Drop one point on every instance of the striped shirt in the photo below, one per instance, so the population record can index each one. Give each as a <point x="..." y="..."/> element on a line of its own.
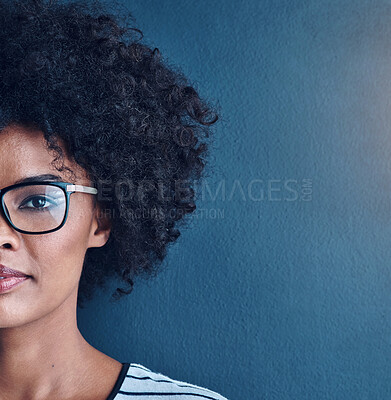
<point x="136" y="382"/>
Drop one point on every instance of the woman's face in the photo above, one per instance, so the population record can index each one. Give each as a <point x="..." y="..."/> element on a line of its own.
<point x="53" y="260"/>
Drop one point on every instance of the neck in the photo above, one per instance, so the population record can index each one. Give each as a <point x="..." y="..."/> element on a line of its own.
<point x="45" y="357"/>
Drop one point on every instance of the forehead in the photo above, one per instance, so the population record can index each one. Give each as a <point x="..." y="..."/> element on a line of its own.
<point x="23" y="152"/>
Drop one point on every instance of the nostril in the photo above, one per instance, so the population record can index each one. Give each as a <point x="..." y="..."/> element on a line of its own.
<point x="6" y="245"/>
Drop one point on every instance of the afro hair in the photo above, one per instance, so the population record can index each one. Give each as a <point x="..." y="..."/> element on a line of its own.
<point x="81" y="73"/>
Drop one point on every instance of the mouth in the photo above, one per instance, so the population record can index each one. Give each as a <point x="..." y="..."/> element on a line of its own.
<point x="5" y="277"/>
<point x="13" y="276"/>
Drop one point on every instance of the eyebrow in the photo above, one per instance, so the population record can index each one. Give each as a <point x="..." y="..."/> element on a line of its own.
<point x="40" y="178"/>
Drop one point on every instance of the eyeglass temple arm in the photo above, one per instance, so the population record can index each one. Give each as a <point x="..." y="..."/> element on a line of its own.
<point x="81" y="188"/>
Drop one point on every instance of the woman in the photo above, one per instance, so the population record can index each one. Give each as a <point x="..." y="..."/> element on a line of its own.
<point x="93" y="127"/>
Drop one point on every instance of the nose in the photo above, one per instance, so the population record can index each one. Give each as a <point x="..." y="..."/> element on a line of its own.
<point x="8" y="235"/>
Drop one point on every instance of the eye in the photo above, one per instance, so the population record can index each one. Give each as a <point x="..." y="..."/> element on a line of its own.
<point x="38" y="203"/>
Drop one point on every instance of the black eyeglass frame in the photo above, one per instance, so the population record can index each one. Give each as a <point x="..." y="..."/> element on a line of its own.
<point x="66" y="187"/>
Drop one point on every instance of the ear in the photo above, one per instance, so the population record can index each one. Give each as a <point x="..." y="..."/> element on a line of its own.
<point x="100" y="228"/>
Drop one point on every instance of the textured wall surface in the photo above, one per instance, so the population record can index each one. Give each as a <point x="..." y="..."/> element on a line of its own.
<point x="282" y="288"/>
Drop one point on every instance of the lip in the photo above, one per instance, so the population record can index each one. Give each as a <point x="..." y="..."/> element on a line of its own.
<point x="7" y="272"/>
<point x="9" y="283"/>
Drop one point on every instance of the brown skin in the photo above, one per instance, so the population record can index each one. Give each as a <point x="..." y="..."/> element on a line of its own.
<point x="42" y="352"/>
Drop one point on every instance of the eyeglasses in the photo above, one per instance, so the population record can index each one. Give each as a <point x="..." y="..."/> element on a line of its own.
<point x="39" y="207"/>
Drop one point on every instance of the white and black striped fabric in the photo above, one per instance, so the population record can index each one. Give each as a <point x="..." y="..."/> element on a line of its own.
<point x="136" y="382"/>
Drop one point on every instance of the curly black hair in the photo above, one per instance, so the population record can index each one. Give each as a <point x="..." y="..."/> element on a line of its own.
<point x="79" y="72"/>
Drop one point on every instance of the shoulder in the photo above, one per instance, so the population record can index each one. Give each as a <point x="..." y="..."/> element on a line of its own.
<point x="140" y="379"/>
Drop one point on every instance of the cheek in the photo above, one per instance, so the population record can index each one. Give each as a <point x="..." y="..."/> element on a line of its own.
<point x="55" y="264"/>
<point x="58" y="257"/>
<point x="55" y="261"/>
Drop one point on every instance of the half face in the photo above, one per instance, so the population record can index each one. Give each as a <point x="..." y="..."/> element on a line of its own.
<point x="53" y="260"/>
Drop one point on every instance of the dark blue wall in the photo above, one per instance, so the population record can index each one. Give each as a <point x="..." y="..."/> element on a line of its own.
<point x="282" y="288"/>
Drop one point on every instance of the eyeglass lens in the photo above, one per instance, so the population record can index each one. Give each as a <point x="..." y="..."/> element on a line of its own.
<point x="35" y="208"/>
